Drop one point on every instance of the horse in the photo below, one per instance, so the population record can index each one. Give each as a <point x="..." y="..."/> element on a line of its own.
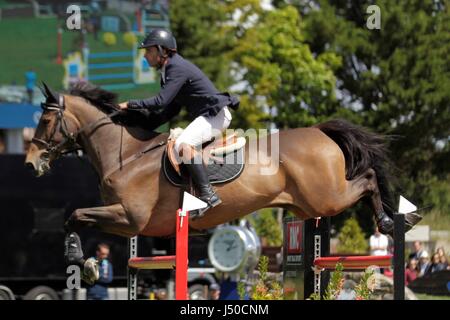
<point x="322" y="170"/>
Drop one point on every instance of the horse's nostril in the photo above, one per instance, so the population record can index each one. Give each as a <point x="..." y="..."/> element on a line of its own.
<point x="29" y="165"/>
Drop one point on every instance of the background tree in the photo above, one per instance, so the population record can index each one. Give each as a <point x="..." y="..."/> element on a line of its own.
<point x="282" y="77"/>
<point x="351" y="238"/>
<point x="397" y="79"/>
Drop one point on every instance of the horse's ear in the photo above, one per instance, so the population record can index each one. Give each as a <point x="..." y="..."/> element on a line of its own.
<point x="42" y="89"/>
<point x="49" y="93"/>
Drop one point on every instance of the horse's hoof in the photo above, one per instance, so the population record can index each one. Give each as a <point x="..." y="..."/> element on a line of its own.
<point x="386" y="225"/>
<point x="90" y="271"/>
<point x="73" y="253"/>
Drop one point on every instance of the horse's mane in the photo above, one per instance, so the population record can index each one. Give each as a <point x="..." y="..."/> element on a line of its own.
<point x="106" y="101"/>
<point x="101" y="98"/>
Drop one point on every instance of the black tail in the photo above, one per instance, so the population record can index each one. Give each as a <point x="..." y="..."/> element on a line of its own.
<point x="363" y="150"/>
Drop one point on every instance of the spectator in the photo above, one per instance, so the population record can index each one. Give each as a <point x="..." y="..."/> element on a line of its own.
<point x="161" y="294"/>
<point x="443" y="257"/>
<point x="348" y="290"/>
<point x="412" y="271"/>
<point x="99" y="291"/>
<point x="378" y="244"/>
<point x="424" y="263"/>
<point x="418" y="251"/>
<point x="30" y="77"/>
<point x="214" y="291"/>
<point x="435" y="264"/>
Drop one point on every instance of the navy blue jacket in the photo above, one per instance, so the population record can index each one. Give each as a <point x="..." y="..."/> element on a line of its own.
<point x="99" y="291"/>
<point x="185" y="84"/>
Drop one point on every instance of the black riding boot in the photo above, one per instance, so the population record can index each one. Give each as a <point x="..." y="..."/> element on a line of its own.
<point x="202" y="185"/>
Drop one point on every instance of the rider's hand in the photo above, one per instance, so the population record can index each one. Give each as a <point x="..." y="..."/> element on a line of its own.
<point x="123" y="105"/>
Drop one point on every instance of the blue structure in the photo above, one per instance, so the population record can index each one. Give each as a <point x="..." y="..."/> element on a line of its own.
<point x="17" y="116"/>
<point x="103" y="68"/>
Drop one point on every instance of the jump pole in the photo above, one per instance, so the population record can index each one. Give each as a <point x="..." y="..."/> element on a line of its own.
<point x="179" y="261"/>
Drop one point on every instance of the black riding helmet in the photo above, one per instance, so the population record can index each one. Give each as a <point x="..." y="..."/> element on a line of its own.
<point x="159" y="38"/>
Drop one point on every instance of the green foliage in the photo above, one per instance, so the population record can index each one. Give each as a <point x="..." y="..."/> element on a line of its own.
<point x="282" y="73"/>
<point x="397" y="80"/>
<point x="366" y="285"/>
<point x="351" y="238"/>
<point x="241" y="290"/>
<point x="265" y="288"/>
<point x="336" y="283"/>
<point x="363" y="289"/>
<point x="206" y="36"/>
<point x="437" y="220"/>
<point x="267" y="227"/>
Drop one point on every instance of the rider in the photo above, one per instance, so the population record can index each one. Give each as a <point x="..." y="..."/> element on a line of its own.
<point x="183" y="83"/>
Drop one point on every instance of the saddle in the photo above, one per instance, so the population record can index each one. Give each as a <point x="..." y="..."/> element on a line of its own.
<point x="223" y="157"/>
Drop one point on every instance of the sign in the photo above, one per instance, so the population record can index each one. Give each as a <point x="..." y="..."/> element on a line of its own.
<point x="16" y="116"/>
<point x="294" y="237"/>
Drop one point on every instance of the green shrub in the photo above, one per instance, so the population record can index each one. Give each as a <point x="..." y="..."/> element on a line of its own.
<point x="264" y="288"/>
<point x="267" y="227"/>
<point x="351" y="238"/>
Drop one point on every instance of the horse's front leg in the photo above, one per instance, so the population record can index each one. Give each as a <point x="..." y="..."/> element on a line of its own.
<point x="110" y="219"/>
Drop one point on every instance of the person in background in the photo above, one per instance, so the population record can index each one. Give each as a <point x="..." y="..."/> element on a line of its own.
<point x="30" y="77"/>
<point x="99" y="291"/>
<point x="412" y="271"/>
<point x="424" y="263"/>
<point x="161" y="294"/>
<point x="378" y="244"/>
<point x="443" y="257"/>
<point x="418" y="251"/>
<point x="348" y="289"/>
<point x="435" y="264"/>
<point x="214" y="291"/>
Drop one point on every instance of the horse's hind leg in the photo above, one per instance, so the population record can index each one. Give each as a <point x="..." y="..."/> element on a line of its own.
<point x="112" y="219"/>
<point x="364" y="185"/>
<point x="369" y="180"/>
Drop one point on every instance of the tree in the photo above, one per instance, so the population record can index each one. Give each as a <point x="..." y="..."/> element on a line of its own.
<point x="351" y="238"/>
<point x="396" y="78"/>
<point x="282" y="76"/>
<point x="207" y="32"/>
<point x="267" y="227"/>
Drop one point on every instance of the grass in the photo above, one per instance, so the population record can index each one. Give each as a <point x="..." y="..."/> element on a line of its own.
<point x="32" y="43"/>
<point x="422" y="296"/>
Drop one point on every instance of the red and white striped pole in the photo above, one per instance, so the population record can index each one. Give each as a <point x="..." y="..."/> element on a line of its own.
<point x="181" y="262"/>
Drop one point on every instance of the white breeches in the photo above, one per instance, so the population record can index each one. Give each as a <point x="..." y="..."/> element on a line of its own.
<point x="203" y="129"/>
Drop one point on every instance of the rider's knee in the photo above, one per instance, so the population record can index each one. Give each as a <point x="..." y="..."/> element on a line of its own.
<point x="185" y="151"/>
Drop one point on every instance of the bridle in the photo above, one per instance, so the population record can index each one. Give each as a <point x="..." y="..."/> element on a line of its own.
<point x="69" y="142"/>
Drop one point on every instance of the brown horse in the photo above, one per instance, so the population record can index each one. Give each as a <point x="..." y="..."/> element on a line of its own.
<point x="322" y="170"/>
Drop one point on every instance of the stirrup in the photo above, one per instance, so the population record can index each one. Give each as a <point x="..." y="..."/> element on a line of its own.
<point x="199" y="213"/>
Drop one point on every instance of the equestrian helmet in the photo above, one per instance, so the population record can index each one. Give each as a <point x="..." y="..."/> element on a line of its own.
<point x="159" y="37"/>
